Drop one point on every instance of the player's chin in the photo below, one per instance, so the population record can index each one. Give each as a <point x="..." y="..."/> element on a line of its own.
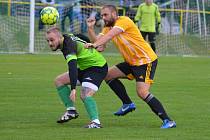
<point x="54" y="48"/>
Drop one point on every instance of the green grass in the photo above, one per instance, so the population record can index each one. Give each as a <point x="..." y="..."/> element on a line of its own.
<point x="29" y="104"/>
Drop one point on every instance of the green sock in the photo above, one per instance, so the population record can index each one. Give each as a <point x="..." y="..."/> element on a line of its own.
<point x="91" y="107"/>
<point x="64" y="93"/>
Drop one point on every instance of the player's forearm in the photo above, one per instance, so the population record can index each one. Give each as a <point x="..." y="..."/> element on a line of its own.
<point x="101" y="42"/>
<point x="73" y="73"/>
<point x="103" y="39"/>
<point x="137" y="17"/>
<point x="158" y="16"/>
<point x="159" y="20"/>
<point x="92" y="34"/>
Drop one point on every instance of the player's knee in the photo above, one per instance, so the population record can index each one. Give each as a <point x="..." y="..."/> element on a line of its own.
<point x="142" y="93"/>
<point x="108" y="77"/>
<point x="86" y="92"/>
<point x="83" y="96"/>
<point x="58" y="81"/>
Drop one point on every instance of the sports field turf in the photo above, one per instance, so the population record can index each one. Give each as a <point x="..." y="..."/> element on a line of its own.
<point x="29" y="104"/>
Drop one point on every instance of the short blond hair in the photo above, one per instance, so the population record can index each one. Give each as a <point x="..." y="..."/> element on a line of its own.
<point x="53" y="29"/>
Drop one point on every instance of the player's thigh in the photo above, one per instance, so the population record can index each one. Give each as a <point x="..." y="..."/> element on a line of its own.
<point x="144" y="76"/>
<point x="93" y="77"/>
<point x="91" y="80"/>
<point x="114" y="72"/>
<point x="62" y="79"/>
<point x="145" y="73"/>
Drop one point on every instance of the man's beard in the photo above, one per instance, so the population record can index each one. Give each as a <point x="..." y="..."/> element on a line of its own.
<point x="55" y="49"/>
<point x="109" y="23"/>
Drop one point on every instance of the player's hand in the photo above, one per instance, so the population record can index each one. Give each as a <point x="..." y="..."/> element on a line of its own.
<point x="91" y="21"/>
<point x="89" y="45"/>
<point x="72" y="96"/>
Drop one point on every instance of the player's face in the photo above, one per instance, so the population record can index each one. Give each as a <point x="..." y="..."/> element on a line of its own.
<point x="108" y="16"/>
<point x="53" y="40"/>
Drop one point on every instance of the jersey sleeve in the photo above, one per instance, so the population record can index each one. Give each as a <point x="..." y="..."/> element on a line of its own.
<point x="138" y="14"/>
<point x="69" y="48"/>
<point x="69" y="51"/>
<point x="157" y="14"/>
<point x="73" y="73"/>
<point x="123" y="23"/>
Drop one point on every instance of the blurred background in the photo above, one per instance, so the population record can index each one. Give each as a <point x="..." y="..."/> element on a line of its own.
<point x="185" y="25"/>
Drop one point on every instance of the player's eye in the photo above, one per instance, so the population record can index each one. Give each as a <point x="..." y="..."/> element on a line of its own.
<point x="103" y="15"/>
<point x="51" y="39"/>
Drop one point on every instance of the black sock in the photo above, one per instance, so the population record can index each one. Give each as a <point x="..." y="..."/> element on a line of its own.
<point x="119" y="90"/>
<point x="156" y="107"/>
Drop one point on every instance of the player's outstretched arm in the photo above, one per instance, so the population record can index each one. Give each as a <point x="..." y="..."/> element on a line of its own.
<point x="91" y="32"/>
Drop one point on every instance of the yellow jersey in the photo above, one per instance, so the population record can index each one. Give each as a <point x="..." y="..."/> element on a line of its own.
<point x="134" y="49"/>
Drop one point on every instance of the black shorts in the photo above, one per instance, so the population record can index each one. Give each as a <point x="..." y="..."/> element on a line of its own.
<point x="144" y="73"/>
<point x="92" y="77"/>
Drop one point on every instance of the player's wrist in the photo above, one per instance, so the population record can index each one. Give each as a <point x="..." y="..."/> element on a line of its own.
<point x="73" y="88"/>
<point x="90" y="28"/>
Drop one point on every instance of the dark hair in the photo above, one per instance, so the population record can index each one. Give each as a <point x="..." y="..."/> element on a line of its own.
<point x="111" y="7"/>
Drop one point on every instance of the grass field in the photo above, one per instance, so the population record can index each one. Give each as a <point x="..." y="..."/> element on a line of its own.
<point x="29" y="104"/>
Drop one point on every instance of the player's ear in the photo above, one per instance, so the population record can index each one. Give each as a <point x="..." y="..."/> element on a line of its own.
<point x="60" y="35"/>
<point x="61" y="39"/>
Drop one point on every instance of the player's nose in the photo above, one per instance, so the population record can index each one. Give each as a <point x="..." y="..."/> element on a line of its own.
<point x="50" y="43"/>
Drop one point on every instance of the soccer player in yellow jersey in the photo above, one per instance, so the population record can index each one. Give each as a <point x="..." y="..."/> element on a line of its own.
<point x="140" y="61"/>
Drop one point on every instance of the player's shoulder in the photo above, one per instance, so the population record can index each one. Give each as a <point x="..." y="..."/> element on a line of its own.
<point x="154" y="5"/>
<point x="70" y="37"/>
<point x="123" y="18"/>
<point x="143" y="4"/>
<point x="83" y="37"/>
<point x="123" y="21"/>
<point x="69" y="40"/>
<point x="67" y="36"/>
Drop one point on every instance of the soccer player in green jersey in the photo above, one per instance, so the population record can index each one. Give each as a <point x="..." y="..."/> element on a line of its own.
<point x="149" y="16"/>
<point x="86" y="67"/>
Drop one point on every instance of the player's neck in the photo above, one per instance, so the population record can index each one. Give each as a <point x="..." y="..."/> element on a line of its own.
<point x="148" y="4"/>
<point x="61" y="42"/>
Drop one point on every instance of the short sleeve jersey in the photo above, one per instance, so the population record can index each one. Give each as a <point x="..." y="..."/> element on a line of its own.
<point x="73" y="48"/>
<point x="134" y="49"/>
